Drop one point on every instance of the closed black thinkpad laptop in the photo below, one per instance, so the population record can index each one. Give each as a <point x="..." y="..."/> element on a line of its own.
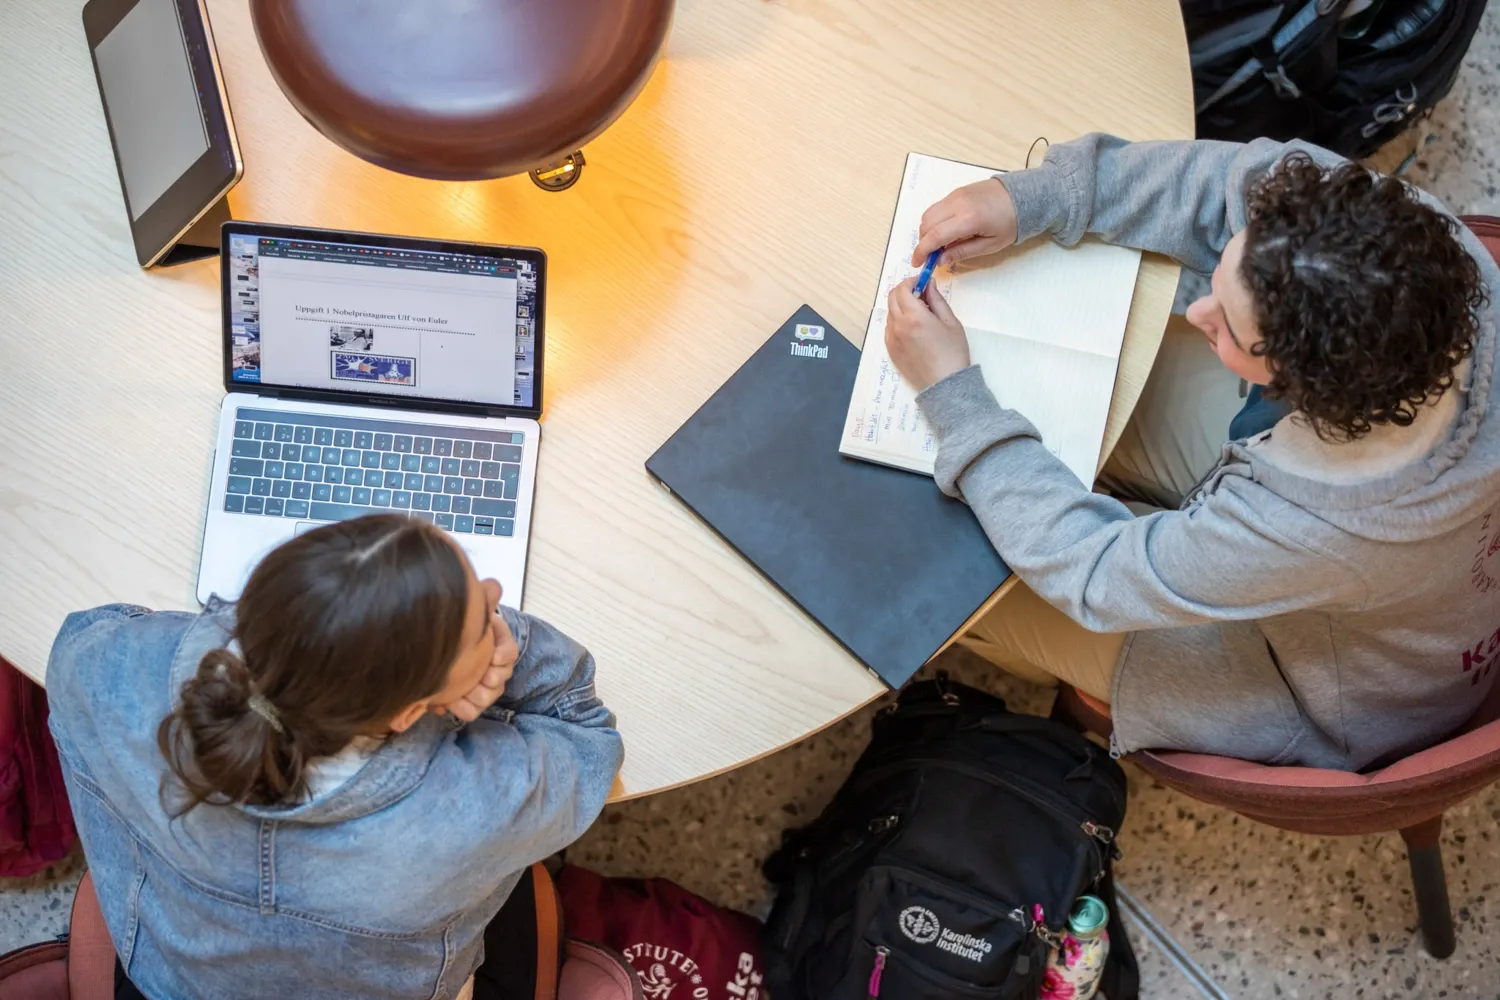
<point x="879" y="557"/>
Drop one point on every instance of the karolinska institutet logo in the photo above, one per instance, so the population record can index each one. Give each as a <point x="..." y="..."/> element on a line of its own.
<point x="922" y="926"/>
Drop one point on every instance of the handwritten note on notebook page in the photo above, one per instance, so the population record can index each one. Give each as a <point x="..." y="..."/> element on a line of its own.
<point x="1045" y="325"/>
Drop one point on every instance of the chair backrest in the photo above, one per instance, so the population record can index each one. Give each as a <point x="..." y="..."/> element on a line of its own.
<point x="79" y="968"/>
<point x="37" y="972"/>
<point x="593" y="972"/>
<point x="1319" y="800"/>
<point x="1487" y="228"/>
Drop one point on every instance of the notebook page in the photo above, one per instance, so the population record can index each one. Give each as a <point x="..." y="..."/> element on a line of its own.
<point x="1045" y="324"/>
<point x="884" y="425"/>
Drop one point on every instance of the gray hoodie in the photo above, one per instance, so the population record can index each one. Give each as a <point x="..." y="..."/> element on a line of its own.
<point x="1278" y="616"/>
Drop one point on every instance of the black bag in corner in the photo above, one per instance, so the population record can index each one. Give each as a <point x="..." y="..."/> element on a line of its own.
<point x="958" y="821"/>
<point x="1305" y="70"/>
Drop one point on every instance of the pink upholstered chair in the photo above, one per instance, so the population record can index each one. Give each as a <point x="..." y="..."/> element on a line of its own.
<point x="80" y="968"/>
<point x="1410" y="795"/>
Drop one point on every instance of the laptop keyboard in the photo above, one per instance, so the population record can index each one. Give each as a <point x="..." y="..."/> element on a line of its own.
<point x="319" y="467"/>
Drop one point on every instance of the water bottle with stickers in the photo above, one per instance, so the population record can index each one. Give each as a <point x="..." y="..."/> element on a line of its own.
<point x="1076" y="963"/>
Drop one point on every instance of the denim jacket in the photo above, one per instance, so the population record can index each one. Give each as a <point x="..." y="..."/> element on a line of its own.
<point x="382" y="887"/>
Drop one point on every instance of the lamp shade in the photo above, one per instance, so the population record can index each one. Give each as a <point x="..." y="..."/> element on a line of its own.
<point x="461" y="89"/>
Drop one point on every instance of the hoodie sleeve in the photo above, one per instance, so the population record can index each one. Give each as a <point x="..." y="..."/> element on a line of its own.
<point x="1182" y="199"/>
<point x="1222" y="559"/>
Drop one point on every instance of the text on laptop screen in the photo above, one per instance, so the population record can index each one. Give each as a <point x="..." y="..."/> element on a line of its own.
<point x="324" y="315"/>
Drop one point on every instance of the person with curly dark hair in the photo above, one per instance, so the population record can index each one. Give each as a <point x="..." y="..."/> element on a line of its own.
<point x="1292" y="556"/>
<point x="1364" y="301"/>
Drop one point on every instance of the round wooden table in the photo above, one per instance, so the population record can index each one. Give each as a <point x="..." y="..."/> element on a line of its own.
<point x="756" y="172"/>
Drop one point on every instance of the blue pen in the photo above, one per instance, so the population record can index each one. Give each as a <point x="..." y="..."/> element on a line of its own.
<point x="925" y="276"/>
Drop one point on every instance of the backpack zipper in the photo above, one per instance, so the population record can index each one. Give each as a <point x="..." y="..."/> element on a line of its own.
<point x="1103" y="834"/>
<point x="834" y="862"/>
<point x="1053" y="939"/>
<point x="832" y="865"/>
<point x="977" y="900"/>
<point x="881" y="770"/>
<point x="881" y="952"/>
<point x="1017" y="915"/>
<point x="1097" y="833"/>
<point x="951" y="984"/>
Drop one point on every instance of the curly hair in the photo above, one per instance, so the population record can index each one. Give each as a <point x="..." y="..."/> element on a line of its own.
<point x="1365" y="299"/>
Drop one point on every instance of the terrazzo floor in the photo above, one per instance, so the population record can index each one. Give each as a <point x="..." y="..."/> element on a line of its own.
<point x="1242" y="910"/>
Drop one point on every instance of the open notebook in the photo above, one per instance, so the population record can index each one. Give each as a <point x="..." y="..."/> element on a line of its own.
<point x="1045" y="323"/>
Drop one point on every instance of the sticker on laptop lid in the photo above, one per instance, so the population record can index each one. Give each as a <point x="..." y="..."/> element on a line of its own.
<point x="807" y="331"/>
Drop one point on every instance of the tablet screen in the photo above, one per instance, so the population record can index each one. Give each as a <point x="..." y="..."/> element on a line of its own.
<point x="151" y="100"/>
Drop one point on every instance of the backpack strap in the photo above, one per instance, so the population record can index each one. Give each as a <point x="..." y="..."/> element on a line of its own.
<point x="1283" y="86"/>
<point x="1122" y="972"/>
<point x="523" y="942"/>
<point x="38" y="967"/>
<point x="549" y="932"/>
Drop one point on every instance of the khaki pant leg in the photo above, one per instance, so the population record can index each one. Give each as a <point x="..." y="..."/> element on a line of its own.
<point x="1180" y="424"/>
<point x="1030" y="638"/>
<point x="1174" y="437"/>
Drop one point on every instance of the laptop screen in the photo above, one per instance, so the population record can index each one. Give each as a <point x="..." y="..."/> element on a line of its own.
<point x="389" y="319"/>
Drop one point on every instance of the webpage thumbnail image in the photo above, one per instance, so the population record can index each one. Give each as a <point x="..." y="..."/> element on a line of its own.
<point x="244" y="342"/>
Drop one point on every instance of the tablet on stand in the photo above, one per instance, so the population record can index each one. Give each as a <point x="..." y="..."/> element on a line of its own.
<point x="169" y="123"/>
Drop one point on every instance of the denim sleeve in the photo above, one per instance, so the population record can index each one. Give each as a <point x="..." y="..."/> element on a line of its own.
<point x="100" y="672"/>
<point x="78" y="621"/>
<point x="78" y="632"/>
<point x="546" y="755"/>
<point x="554" y="675"/>
<point x="1183" y="199"/>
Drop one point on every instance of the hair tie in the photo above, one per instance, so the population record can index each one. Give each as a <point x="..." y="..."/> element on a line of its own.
<point x="263" y="708"/>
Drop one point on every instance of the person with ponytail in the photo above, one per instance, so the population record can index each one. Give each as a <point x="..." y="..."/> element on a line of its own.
<point x="332" y="787"/>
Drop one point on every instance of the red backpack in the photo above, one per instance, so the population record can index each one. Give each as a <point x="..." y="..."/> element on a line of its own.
<point x="680" y="945"/>
<point x="36" y="825"/>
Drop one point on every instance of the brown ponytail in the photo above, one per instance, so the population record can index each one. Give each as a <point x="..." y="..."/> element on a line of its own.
<point x="341" y="628"/>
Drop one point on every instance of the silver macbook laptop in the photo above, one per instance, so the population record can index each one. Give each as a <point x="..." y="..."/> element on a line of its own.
<point x="375" y="374"/>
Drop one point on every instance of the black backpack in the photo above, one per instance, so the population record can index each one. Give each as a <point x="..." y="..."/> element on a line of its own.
<point x="1301" y="70"/>
<point x="958" y="821"/>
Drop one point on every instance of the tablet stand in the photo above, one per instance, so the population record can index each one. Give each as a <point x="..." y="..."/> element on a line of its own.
<point x="202" y="238"/>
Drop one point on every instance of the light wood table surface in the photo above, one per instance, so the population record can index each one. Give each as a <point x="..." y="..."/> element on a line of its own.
<point x="756" y="172"/>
